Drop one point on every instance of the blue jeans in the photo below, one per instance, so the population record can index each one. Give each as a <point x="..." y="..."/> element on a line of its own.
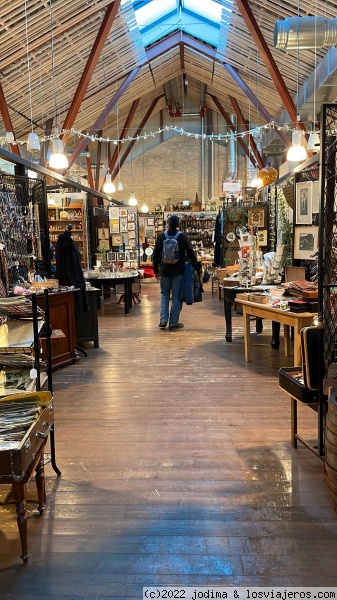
<point x="168" y="284"/>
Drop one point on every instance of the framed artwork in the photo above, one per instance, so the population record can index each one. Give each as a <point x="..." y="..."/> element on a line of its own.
<point x="150" y="222"/>
<point x="114" y="226"/>
<point x="111" y="256"/>
<point x="123" y="222"/>
<point x="131" y="226"/>
<point x="305" y="242"/>
<point x="150" y="233"/>
<point x="113" y="212"/>
<point x="133" y="255"/>
<point x="132" y="235"/>
<point x="121" y="256"/>
<point x="103" y="233"/>
<point x="256" y="217"/>
<point x="304" y="203"/>
<point x="131" y="216"/>
<point x="123" y="212"/>
<point x="263" y="237"/>
<point x="117" y="240"/>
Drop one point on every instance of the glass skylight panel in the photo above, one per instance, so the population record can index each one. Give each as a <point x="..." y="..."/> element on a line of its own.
<point x="206" y="8"/>
<point x="153" y="11"/>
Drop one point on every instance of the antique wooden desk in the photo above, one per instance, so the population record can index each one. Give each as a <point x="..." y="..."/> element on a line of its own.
<point x="18" y="464"/>
<point x="287" y="318"/>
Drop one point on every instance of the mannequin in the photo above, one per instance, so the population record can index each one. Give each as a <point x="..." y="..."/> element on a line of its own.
<point x="69" y="269"/>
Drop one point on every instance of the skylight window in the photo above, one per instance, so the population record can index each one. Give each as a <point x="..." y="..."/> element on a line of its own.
<point x="198" y="18"/>
<point x="206" y="8"/>
<point x="154" y="11"/>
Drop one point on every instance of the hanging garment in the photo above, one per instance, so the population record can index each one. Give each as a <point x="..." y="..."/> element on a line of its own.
<point x="69" y="269"/>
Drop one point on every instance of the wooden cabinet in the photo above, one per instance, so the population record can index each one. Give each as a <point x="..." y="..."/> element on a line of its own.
<point x="62" y="319"/>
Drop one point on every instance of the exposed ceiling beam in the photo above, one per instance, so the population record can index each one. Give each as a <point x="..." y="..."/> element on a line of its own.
<point x="59" y="28"/>
<point x="179" y="37"/>
<point x="233" y="129"/>
<point x="273" y="70"/>
<point x="98" y="162"/>
<point x="254" y="100"/>
<point x="100" y="120"/>
<point x="243" y="123"/>
<point x="7" y="119"/>
<point x="89" y="171"/>
<point x="139" y="130"/>
<point x="124" y="133"/>
<point x="182" y="57"/>
<point x="89" y="69"/>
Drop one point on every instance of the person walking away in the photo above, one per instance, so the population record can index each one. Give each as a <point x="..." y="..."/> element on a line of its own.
<point x="169" y="256"/>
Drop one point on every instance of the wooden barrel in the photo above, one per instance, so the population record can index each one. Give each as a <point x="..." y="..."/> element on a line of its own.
<point x="331" y="449"/>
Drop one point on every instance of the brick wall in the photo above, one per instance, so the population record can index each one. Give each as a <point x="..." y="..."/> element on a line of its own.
<point x="173" y="170"/>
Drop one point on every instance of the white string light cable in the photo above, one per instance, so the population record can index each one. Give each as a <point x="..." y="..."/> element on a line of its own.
<point x="178" y="130"/>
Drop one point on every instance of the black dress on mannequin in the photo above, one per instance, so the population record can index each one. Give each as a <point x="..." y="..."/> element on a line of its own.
<point x="69" y="269"/>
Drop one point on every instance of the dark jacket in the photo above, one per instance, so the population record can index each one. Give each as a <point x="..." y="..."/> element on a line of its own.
<point x="191" y="286"/>
<point x="69" y="269"/>
<point x="185" y="249"/>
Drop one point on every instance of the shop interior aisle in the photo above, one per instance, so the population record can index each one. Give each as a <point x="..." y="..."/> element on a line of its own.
<point x="177" y="468"/>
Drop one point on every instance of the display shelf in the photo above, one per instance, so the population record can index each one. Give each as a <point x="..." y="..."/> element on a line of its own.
<point x="65" y="208"/>
<point x="199" y="226"/>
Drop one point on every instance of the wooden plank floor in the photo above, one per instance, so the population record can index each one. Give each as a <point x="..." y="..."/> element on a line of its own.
<point x="176" y="468"/>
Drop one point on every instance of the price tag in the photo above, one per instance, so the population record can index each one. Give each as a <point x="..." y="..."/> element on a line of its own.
<point x="33" y="373"/>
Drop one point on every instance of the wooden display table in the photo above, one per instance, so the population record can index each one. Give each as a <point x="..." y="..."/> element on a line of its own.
<point x="127" y="279"/>
<point x="287" y="318"/>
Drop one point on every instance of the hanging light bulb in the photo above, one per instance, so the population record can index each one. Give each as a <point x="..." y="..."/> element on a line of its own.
<point x="33" y="142"/>
<point x="58" y="159"/>
<point x="314" y="142"/>
<point x="120" y="186"/>
<point x="108" y="187"/>
<point x="133" y="200"/>
<point x="145" y="208"/>
<point x="296" y="152"/>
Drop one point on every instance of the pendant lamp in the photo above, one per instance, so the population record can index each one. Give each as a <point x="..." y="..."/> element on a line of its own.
<point x="108" y="187"/>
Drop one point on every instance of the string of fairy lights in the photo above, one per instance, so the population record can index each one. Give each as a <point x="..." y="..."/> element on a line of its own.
<point x="9" y="138"/>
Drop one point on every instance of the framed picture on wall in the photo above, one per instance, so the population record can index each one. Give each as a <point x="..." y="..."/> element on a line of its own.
<point x="114" y="226"/>
<point x="111" y="256"/>
<point x="132" y="235"/>
<point x="257" y="217"/>
<point x="123" y="212"/>
<point x="121" y="256"/>
<point x="150" y="222"/>
<point x="305" y="242"/>
<point x="131" y="226"/>
<point x="304" y="203"/>
<point x="117" y="240"/>
<point x="131" y="217"/>
<point x="263" y="237"/>
<point x="103" y="233"/>
<point x="123" y="224"/>
<point x="113" y="212"/>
